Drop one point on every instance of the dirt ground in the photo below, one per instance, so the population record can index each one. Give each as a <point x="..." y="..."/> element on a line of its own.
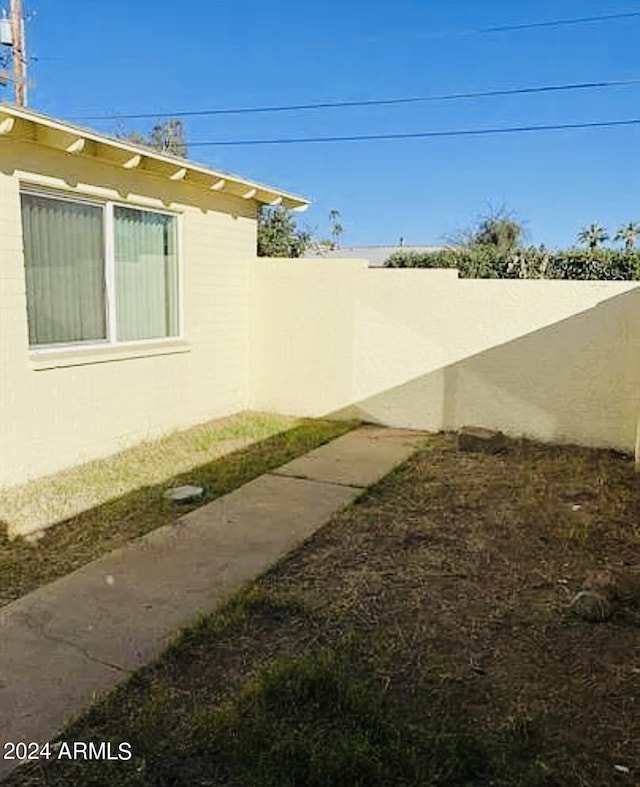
<point x="456" y="572"/>
<point x="462" y="567"/>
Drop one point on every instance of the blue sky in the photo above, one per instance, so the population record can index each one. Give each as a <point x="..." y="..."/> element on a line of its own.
<point x="121" y="57"/>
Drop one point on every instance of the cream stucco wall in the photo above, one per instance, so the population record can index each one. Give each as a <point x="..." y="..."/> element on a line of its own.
<point x="554" y="360"/>
<point x="414" y="348"/>
<point x="302" y="335"/>
<point x="60" y="411"/>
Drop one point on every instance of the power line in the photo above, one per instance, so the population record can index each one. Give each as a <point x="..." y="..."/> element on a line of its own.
<point x="560" y="22"/>
<point x="418" y="134"/>
<point x="582" y="20"/>
<point x="438" y="34"/>
<point x="367" y="102"/>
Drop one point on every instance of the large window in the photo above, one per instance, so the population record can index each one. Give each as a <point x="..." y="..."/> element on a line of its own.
<point x="98" y="272"/>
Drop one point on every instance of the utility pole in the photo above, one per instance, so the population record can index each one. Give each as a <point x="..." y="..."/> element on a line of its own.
<point x="19" y="54"/>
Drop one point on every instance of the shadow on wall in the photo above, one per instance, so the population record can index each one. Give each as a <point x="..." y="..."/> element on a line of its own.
<point x="575" y="380"/>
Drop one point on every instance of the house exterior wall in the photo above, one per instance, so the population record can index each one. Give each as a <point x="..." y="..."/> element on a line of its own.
<point x="553" y="360"/>
<point x="62" y="409"/>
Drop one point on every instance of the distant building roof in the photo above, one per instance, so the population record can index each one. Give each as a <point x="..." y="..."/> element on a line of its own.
<point x="375" y="255"/>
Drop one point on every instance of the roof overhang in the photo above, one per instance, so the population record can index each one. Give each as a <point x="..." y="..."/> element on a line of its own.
<point x="17" y="123"/>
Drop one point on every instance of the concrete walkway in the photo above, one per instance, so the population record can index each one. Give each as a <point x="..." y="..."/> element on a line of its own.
<point x="86" y="632"/>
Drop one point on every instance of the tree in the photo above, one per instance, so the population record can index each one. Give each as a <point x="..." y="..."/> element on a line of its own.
<point x="501" y="234"/>
<point x="593" y="235"/>
<point x="167" y="136"/>
<point x="496" y="231"/>
<point x="336" y="227"/>
<point x="628" y="234"/>
<point x="279" y="235"/>
<point x="134" y="136"/>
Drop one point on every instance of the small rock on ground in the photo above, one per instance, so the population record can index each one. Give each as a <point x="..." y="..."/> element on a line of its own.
<point x="604" y="582"/>
<point x="590" y="606"/>
<point x="477" y="438"/>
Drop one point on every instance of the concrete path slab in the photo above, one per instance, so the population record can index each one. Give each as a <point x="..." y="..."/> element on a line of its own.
<point x="86" y="632"/>
<point x="358" y="458"/>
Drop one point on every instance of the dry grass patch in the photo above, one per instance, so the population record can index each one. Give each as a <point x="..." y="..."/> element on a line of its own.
<point x="122" y="497"/>
<point x="60" y="496"/>
<point x="420" y="638"/>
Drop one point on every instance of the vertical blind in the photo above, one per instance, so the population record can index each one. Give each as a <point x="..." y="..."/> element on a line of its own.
<point x="65" y="270"/>
<point x="146" y="274"/>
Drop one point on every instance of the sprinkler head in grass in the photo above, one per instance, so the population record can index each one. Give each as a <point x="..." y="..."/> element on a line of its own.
<point x="185" y="494"/>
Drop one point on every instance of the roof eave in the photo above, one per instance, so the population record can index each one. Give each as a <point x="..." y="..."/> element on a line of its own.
<point x="19" y="123"/>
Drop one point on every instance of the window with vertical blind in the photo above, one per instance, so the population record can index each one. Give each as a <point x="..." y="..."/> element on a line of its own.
<point x="98" y="272"/>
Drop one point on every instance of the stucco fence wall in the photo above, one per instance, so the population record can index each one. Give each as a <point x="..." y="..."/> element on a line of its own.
<point x="553" y="360"/>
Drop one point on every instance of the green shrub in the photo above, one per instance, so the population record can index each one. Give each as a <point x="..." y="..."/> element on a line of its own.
<point x="533" y="262"/>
